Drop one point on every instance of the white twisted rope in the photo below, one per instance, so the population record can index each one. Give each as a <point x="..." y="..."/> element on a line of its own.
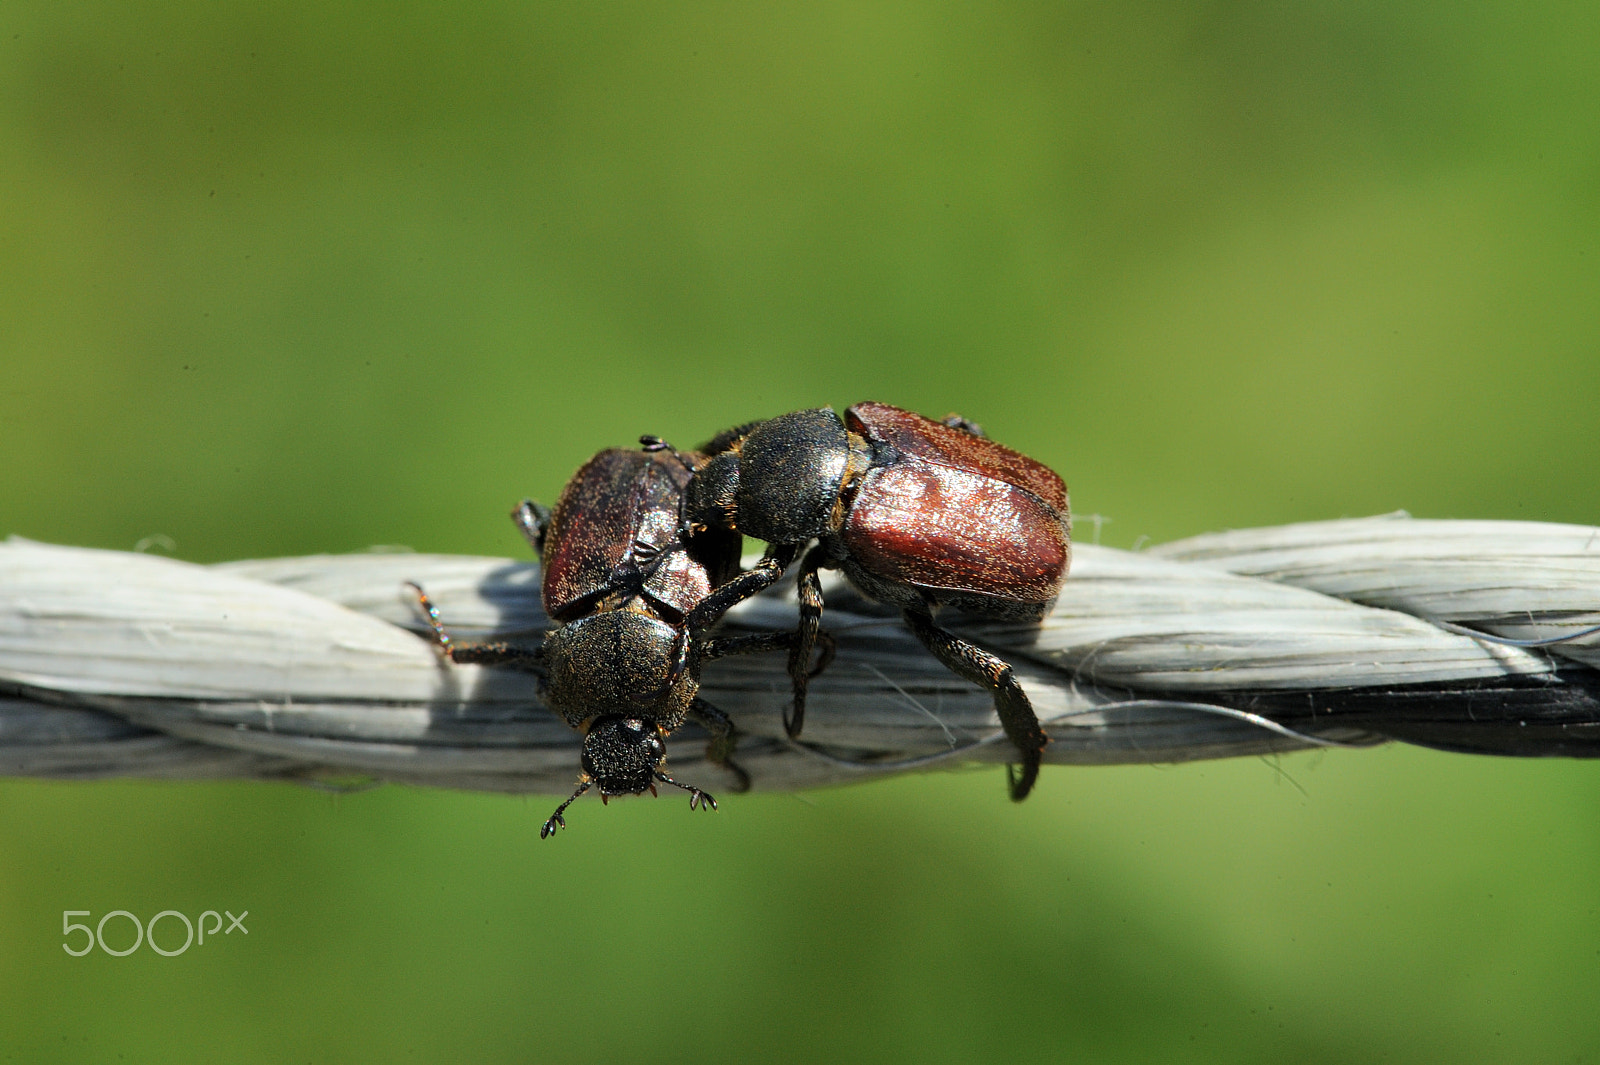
<point x="1343" y="632"/>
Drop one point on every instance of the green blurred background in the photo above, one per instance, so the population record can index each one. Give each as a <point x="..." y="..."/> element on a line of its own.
<point x="299" y="278"/>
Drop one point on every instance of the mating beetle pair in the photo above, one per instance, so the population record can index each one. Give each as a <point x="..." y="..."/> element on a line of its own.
<point x="641" y="558"/>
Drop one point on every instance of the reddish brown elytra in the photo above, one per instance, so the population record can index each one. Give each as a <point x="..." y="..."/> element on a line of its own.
<point x="955" y="517"/>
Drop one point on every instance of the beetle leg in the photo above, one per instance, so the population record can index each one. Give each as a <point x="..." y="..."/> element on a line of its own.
<point x="809" y="588"/>
<point x="723" y="739"/>
<point x="956" y="421"/>
<point x="528" y="659"/>
<point x="982" y="668"/>
<point x="697" y="798"/>
<point x="751" y="643"/>
<point x="430" y="614"/>
<point x="723" y="646"/>
<point x="556" y="820"/>
<point x="534" y="521"/>
<point x="752" y="581"/>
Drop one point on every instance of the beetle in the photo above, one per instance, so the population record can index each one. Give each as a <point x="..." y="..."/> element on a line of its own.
<point x="918" y="513"/>
<point x="628" y="599"/>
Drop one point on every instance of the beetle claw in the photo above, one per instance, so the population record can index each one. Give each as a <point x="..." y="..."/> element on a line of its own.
<point x="556" y="820"/>
<point x="697" y="799"/>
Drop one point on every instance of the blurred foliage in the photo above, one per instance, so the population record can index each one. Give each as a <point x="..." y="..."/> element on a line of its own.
<point x="303" y="278"/>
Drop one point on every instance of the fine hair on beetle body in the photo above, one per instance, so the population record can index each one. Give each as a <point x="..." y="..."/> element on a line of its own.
<point x="917" y="513"/>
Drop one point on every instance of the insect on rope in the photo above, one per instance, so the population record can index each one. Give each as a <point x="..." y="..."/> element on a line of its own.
<point x="1465" y="635"/>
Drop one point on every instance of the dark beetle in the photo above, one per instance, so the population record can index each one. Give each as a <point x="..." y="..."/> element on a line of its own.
<point x="917" y="513"/>
<point x="627" y="598"/>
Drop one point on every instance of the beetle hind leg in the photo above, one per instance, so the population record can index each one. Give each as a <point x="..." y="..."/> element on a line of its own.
<point x="1010" y="701"/>
<point x="806" y="638"/>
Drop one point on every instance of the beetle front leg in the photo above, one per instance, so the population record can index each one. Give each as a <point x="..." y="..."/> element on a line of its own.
<point x="763" y="575"/>
<point x="982" y="668"/>
<point x="723" y="740"/>
<point x="756" y="642"/>
<point x="652" y="444"/>
<point x="528" y="659"/>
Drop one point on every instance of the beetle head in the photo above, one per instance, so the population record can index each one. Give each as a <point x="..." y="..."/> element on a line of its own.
<point x="623" y="755"/>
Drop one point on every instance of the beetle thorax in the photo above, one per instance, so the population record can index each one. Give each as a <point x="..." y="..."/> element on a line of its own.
<point x="793" y="472"/>
<point x="624" y="663"/>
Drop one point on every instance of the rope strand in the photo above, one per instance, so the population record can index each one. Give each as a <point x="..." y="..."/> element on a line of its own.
<point x="1466" y="635"/>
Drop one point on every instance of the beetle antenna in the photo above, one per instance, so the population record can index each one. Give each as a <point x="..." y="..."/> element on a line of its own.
<point x="556" y="820"/>
<point x="697" y="797"/>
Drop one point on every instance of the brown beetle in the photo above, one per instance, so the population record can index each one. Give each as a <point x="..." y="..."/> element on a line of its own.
<point x="917" y="513"/>
<point x="624" y="591"/>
